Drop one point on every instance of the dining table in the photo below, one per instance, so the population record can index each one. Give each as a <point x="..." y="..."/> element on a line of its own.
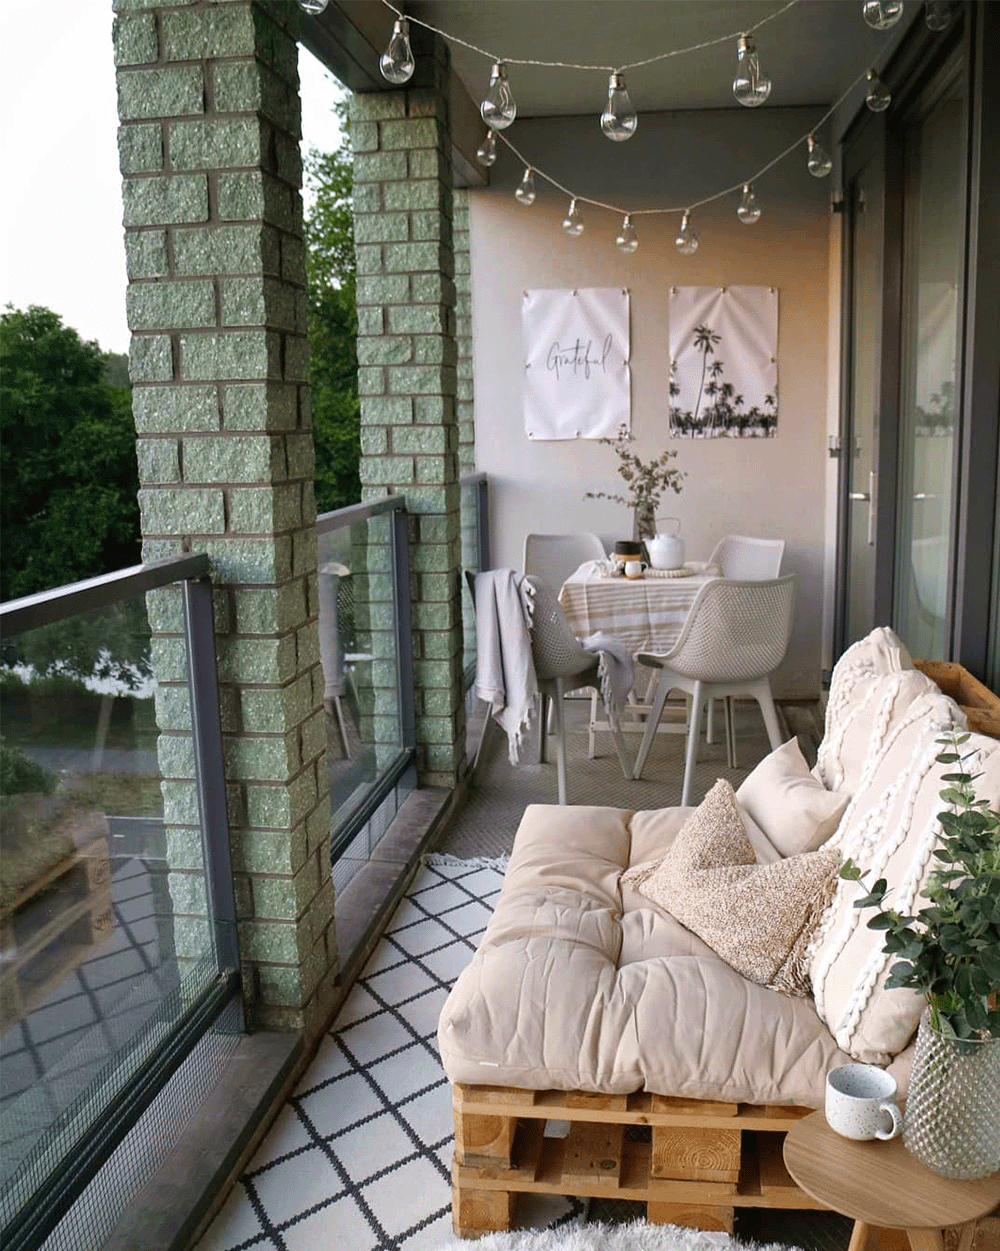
<point x="645" y="614"/>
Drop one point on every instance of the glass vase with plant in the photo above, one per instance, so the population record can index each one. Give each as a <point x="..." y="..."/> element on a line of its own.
<point x="949" y="952"/>
<point x="645" y="482"/>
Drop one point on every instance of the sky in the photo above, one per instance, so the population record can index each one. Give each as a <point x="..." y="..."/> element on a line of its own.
<point x="61" y="237"/>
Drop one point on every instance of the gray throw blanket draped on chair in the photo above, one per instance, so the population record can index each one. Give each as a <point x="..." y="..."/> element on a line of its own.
<point x="505" y="671"/>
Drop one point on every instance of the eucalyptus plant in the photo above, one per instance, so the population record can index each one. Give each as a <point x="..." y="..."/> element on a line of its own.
<point x="645" y="482"/>
<point x="950" y="951"/>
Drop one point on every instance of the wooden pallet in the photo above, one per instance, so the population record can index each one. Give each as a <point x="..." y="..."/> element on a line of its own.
<point x="702" y="1160"/>
<point x="980" y="705"/>
<point x="52" y="927"/>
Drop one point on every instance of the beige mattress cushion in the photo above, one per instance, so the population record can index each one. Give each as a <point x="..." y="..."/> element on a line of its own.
<point x="757" y="917"/>
<point x="890" y="830"/>
<point x="579" y="984"/>
<point x="791" y="806"/>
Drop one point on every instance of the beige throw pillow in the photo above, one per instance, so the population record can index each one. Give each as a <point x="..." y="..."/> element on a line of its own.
<point x="757" y="917"/>
<point x="794" y="809"/>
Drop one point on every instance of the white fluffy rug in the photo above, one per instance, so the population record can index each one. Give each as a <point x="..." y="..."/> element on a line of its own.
<point x="594" y="1236"/>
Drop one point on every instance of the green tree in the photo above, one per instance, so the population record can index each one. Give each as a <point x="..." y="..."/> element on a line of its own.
<point x="67" y="458"/>
<point x="333" y="325"/>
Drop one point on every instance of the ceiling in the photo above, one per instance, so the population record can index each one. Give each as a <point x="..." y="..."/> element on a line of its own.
<point x="812" y="52"/>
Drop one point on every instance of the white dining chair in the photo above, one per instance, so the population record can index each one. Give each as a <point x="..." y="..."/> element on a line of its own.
<point x="739" y="556"/>
<point x="553" y="557"/>
<point x="735" y="636"/>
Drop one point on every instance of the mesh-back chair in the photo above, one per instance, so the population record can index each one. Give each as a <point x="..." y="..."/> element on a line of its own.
<point x="735" y="636"/>
<point x="748" y="559"/>
<point x="553" y="557"/>
<point x="561" y="664"/>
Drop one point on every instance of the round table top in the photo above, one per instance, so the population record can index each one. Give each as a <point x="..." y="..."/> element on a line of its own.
<point x="880" y="1183"/>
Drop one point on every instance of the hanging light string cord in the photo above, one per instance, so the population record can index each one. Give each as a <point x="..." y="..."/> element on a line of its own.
<point x="608" y="69"/>
<point x="718" y="195"/>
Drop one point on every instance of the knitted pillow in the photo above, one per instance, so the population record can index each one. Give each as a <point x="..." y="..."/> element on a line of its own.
<point x="794" y="809"/>
<point x="757" y="917"/>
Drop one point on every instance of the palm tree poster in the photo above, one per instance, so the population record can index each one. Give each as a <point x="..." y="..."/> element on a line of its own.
<point x="724" y="362"/>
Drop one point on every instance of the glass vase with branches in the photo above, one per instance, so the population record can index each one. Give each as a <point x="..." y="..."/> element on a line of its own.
<point x="645" y="482"/>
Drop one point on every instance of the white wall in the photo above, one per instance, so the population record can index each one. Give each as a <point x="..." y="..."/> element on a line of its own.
<point x="767" y="487"/>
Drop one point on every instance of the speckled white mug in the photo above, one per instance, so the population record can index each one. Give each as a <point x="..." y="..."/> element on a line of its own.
<point x="860" y="1102"/>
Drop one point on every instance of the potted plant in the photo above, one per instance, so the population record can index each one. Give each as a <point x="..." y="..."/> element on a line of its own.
<point x="645" y="483"/>
<point x="949" y="952"/>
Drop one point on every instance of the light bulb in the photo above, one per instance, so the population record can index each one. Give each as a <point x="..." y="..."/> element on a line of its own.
<point x="749" y="208"/>
<point x="687" y="241"/>
<point x="627" y="240"/>
<point x="618" y="121"/>
<point x="498" y="107"/>
<point x="573" y="221"/>
<point x="878" y="97"/>
<point x="881" y="14"/>
<point x="818" y="163"/>
<point x="486" y="153"/>
<point x="525" y="193"/>
<point x="937" y="14"/>
<point x="313" y="7"/>
<point x="750" y="86"/>
<point x="397" y="63"/>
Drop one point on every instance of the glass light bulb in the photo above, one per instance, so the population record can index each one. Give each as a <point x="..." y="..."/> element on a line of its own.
<point x="750" y="86"/>
<point x="618" y="121"/>
<point x="627" y="240"/>
<point x="498" y="107"/>
<point x="878" y="97"/>
<point x="525" y="193"/>
<point x="486" y="153"/>
<point x="749" y="208"/>
<point x="397" y="63"/>
<point x="937" y="14"/>
<point x="818" y="163"/>
<point x="687" y="241"/>
<point x="881" y="14"/>
<point x="313" y="7"/>
<point x="573" y="221"/>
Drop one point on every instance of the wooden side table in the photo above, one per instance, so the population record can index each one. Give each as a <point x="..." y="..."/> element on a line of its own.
<point x="881" y="1186"/>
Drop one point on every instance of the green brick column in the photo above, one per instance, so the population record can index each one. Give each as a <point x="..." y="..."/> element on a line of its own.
<point x="209" y="132"/>
<point x="407" y="373"/>
<point x="464" y="411"/>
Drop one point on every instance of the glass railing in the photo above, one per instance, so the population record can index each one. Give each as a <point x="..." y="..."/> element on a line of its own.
<point x="117" y="921"/>
<point x="366" y="650"/>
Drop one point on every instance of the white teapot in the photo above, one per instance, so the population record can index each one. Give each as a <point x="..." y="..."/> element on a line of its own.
<point x="666" y="551"/>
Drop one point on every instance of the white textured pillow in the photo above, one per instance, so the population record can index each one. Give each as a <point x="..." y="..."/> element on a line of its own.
<point x="794" y="809"/>
<point x="890" y="829"/>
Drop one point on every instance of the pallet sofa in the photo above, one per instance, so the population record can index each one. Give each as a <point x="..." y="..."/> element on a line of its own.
<point x="588" y="1006"/>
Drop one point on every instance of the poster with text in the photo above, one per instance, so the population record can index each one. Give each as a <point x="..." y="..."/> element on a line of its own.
<point x="576" y="363"/>
<point x="723" y="362"/>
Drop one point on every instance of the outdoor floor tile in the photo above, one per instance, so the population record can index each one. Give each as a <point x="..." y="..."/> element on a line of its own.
<point x="406" y="1196"/>
<point x="286" y="1135"/>
<point x="338" y="1226"/>
<point x="343" y="1102"/>
<point x="290" y="1187"/>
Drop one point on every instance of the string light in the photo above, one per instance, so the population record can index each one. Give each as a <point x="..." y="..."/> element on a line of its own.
<point x="525" y="193"/>
<point x="618" y="121"/>
<point x="486" y="153"/>
<point x="878" y="97"/>
<point x="313" y="7"/>
<point x="748" y="210"/>
<point x="687" y="241"/>
<point x="937" y="15"/>
<point x="882" y="14"/>
<point x="397" y="63"/>
<point x="573" y="221"/>
<point x="818" y="163"/>
<point x="750" y="86"/>
<point x="627" y="240"/>
<point x="498" y="107"/>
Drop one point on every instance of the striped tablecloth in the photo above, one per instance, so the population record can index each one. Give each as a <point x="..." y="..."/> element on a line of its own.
<point x="645" y="614"/>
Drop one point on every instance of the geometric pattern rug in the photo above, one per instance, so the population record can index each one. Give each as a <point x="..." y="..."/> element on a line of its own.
<point x="359" y="1159"/>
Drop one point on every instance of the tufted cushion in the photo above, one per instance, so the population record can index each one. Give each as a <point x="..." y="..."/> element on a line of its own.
<point x="793" y="808"/>
<point x="757" y="917"/>
<point x="890" y="829"/>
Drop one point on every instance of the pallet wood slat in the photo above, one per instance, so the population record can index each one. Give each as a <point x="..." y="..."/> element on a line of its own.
<point x="697" y="1167"/>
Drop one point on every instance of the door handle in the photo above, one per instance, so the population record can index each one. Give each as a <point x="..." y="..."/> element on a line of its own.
<point x="867" y="497"/>
<point x="859" y="495"/>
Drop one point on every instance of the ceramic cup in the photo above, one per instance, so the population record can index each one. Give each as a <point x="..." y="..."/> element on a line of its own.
<point x="860" y="1102"/>
<point x="634" y="568"/>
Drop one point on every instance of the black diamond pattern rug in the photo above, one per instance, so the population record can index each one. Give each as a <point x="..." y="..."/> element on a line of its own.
<point x="359" y="1159"/>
